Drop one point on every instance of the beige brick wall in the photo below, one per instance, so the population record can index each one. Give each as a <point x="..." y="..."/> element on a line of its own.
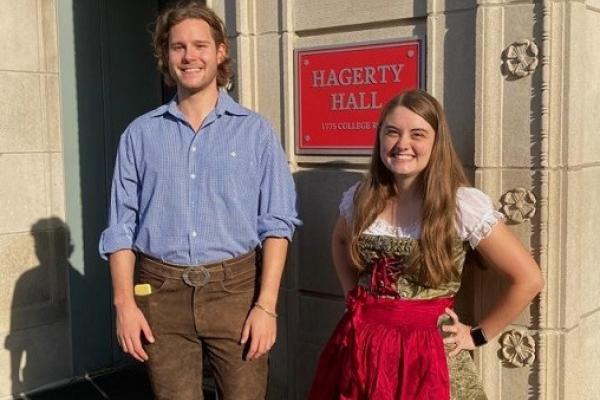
<point x="33" y="312"/>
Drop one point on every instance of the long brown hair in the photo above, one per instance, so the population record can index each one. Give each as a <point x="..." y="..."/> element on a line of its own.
<point x="432" y="261"/>
<point x="189" y="9"/>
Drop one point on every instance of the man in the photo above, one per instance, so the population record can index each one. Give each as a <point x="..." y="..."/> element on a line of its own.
<point x="199" y="183"/>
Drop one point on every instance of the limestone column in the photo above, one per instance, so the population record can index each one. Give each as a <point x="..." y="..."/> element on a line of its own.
<point x="34" y="323"/>
<point x="536" y="151"/>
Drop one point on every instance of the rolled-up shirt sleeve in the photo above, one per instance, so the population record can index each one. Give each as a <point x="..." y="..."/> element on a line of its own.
<point x="123" y="213"/>
<point x="277" y="215"/>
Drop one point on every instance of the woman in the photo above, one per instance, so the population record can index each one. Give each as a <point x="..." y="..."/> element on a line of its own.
<point x="398" y="247"/>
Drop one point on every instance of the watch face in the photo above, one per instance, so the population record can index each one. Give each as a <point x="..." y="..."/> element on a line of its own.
<point x="478" y="336"/>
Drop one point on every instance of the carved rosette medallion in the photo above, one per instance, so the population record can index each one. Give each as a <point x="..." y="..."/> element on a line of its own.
<point x="521" y="58"/>
<point x="518" y="348"/>
<point x="518" y="205"/>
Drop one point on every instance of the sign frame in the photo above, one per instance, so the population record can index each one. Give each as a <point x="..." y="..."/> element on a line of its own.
<point x="340" y="47"/>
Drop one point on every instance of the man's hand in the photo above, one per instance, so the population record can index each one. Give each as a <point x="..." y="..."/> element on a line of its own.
<point x="261" y="324"/>
<point x="261" y="329"/>
<point x="131" y="324"/>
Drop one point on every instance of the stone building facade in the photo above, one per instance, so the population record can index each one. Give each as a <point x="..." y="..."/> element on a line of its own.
<point x="518" y="78"/>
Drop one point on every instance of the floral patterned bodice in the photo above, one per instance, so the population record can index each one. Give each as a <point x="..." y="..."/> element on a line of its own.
<point x="386" y="258"/>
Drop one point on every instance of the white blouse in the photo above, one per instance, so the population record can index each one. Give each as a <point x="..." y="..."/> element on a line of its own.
<point x="475" y="217"/>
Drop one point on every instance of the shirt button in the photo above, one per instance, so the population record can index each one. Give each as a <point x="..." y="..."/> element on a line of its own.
<point x="193" y="176"/>
<point x="194" y="234"/>
<point x="193" y="148"/>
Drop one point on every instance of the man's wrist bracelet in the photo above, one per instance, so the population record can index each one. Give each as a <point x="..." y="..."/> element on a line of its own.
<point x="269" y="313"/>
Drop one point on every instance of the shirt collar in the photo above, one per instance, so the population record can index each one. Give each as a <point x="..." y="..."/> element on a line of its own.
<point x="225" y="105"/>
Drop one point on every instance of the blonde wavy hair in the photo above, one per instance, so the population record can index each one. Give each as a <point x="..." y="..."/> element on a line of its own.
<point x="189" y="9"/>
<point x="432" y="260"/>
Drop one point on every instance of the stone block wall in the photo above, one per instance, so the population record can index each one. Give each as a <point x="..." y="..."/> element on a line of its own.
<point x="34" y="241"/>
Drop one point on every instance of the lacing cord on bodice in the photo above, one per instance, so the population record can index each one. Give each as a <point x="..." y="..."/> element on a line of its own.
<point x="383" y="277"/>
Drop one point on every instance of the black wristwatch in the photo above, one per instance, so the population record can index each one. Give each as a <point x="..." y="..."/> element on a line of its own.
<point x="478" y="336"/>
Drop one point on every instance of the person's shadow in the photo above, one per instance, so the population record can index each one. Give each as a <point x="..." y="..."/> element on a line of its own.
<point x="38" y="338"/>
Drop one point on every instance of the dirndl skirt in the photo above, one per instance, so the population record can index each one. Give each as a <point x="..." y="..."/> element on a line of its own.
<point x="384" y="349"/>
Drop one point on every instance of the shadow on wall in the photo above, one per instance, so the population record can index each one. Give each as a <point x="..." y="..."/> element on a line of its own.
<point x="458" y="76"/>
<point x="319" y="302"/>
<point x="458" y="98"/>
<point x="319" y="193"/>
<point x="39" y="341"/>
<point x="116" y="81"/>
<point x="538" y="180"/>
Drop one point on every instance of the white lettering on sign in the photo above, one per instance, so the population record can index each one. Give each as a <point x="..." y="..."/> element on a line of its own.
<point x="355" y="101"/>
<point x="348" y="125"/>
<point x="379" y="74"/>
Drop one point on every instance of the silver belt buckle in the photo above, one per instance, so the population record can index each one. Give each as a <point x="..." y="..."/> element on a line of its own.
<point x="205" y="276"/>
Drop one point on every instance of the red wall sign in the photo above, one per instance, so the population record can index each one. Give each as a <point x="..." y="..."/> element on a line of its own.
<point x="340" y="92"/>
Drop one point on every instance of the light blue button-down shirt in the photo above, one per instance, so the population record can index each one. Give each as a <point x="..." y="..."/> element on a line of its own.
<point x="192" y="198"/>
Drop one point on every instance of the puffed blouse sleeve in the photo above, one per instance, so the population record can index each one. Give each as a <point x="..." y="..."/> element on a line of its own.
<point x="347" y="203"/>
<point x="475" y="215"/>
